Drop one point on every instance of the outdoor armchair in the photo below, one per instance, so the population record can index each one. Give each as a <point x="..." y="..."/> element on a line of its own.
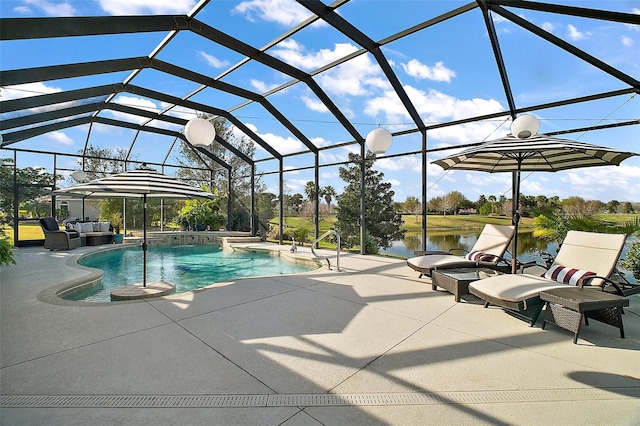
<point x="584" y="259"/>
<point x="486" y="252"/>
<point x="57" y="239"/>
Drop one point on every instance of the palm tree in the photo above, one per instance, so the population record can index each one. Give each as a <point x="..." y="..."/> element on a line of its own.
<point x="329" y="193"/>
<point x="310" y="191"/>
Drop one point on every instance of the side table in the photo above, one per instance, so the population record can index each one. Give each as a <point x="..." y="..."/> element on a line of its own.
<point x="456" y="281"/>
<point x="566" y="307"/>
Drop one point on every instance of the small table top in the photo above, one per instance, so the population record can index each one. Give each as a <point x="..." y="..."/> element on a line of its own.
<point x="583" y="299"/>
<point x="467" y="274"/>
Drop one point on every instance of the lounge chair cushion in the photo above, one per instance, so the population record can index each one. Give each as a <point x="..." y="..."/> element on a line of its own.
<point x="435" y="261"/>
<point x="567" y="275"/>
<point x="514" y="287"/>
<point x="492" y="242"/>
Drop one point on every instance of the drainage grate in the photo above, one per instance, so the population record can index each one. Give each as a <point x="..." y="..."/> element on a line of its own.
<point x="315" y="400"/>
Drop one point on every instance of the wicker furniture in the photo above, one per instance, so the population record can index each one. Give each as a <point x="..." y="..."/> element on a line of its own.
<point x="487" y="251"/>
<point x="98" y="238"/>
<point x="565" y="307"/>
<point x="590" y="251"/>
<point x="456" y="281"/>
<point x="57" y="239"/>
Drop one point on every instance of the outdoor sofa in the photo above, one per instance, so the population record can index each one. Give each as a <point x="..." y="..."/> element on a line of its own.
<point x="92" y="233"/>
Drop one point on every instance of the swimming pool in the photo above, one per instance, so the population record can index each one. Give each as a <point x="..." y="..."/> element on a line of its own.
<point x="188" y="267"/>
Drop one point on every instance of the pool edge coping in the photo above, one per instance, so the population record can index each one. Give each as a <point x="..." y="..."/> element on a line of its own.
<point x="52" y="295"/>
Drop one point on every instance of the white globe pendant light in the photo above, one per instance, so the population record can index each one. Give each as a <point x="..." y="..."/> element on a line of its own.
<point x="525" y="126"/>
<point x="378" y="141"/>
<point x="199" y="132"/>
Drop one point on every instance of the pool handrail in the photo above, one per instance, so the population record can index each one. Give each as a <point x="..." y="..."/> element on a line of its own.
<point x="314" y="244"/>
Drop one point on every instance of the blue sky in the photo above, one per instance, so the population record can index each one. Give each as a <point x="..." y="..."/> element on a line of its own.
<point x="447" y="70"/>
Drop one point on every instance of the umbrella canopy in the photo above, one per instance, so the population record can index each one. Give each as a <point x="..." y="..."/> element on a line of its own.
<point x="141" y="183"/>
<point x="538" y="153"/>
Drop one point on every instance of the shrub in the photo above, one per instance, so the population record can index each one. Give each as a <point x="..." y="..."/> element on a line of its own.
<point x="6" y="253"/>
<point x="631" y="261"/>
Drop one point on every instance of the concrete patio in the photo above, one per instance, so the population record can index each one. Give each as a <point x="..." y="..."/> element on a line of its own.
<point x="371" y="344"/>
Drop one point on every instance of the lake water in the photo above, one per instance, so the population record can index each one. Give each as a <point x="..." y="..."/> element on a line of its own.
<point x="446" y="240"/>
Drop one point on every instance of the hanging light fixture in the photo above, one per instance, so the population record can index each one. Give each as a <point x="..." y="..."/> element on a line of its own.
<point x="378" y="141"/>
<point x="525" y="126"/>
<point x="199" y="132"/>
<point x="80" y="176"/>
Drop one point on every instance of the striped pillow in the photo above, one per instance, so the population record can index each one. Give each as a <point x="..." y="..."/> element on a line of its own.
<point x="566" y="275"/>
<point x="478" y="256"/>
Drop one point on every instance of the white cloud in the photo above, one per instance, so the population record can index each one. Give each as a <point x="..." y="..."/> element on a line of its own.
<point x="146" y="7"/>
<point x="547" y="26"/>
<point x="20" y="91"/>
<point x="281" y="144"/>
<point x="314" y="104"/>
<point x="50" y="8"/>
<point x="412" y="163"/>
<point x="213" y="61"/>
<point x="627" y="41"/>
<point x="60" y="138"/>
<point x="297" y="55"/>
<point x="435" y="106"/>
<point x="419" y="70"/>
<point x="134" y="102"/>
<point x="575" y="35"/>
<point x="283" y="12"/>
<point x="603" y="183"/>
<point x="261" y="86"/>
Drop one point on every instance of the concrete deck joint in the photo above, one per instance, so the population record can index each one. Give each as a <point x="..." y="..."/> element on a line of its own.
<point x="316" y="400"/>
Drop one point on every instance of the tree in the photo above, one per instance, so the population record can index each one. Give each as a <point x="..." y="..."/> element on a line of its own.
<point x="382" y="223"/>
<point x="329" y="193"/>
<point x="198" y="169"/>
<point x="294" y="202"/>
<point x="613" y="206"/>
<point x="413" y="206"/>
<point x="32" y="183"/>
<point x="310" y="191"/>
<point x="101" y="162"/>
<point x="265" y="205"/>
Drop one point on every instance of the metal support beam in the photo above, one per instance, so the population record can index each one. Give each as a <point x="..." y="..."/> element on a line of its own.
<point x="316" y="211"/>
<point x="281" y="200"/>
<point x="424" y="190"/>
<point x="363" y="226"/>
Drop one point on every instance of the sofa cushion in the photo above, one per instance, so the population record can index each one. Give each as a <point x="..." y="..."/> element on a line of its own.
<point x="85" y="227"/>
<point x="104" y="226"/>
<point x="567" y="275"/>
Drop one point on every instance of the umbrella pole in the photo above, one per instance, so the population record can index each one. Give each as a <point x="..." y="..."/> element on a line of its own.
<point x="144" y="241"/>
<point x="515" y="218"/>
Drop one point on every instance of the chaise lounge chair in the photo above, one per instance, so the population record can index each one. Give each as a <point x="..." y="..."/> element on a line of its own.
<point x="57" y="239"/>
<point x="486" y="252"/>
<point x="585" y="258"/>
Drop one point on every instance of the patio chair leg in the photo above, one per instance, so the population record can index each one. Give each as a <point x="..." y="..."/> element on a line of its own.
<point x="536" y="314"/>
<point x="575" y="337"/>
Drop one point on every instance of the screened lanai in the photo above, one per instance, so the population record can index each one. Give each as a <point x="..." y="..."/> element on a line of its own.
<point x="304" y="83"/>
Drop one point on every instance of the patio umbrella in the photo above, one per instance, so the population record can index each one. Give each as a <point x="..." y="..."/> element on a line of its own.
<point x="538" y="153"/>
<point x="141" y="183"/>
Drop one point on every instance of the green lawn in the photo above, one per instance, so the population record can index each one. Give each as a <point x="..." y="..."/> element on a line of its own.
<point x="412" y="223"/>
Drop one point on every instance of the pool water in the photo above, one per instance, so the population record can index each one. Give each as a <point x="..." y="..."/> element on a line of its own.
<point x="188" y="267"/>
